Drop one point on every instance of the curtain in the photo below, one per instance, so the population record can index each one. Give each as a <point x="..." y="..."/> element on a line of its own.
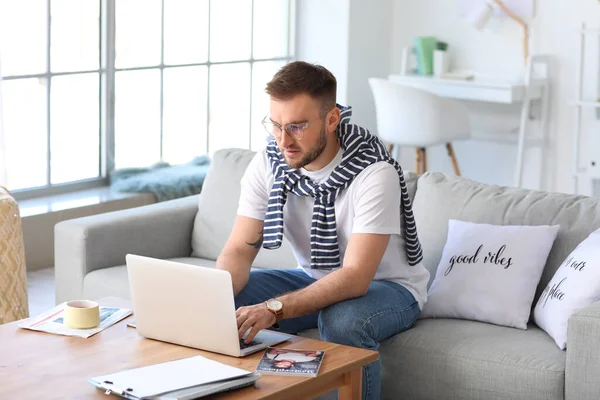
<point x="2" y="149"/>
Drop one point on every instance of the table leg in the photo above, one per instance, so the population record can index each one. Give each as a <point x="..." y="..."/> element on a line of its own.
<point x="352" y="389"/>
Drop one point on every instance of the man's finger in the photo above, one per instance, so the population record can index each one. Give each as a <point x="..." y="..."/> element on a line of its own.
<point x="241" y="319"/>
<point x="239" y="311"/>
<point x="247" y="324"/>
<point x="252" y="334"/>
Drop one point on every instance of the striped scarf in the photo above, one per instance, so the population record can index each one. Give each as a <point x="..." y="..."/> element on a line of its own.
<point x="360" y="149"/>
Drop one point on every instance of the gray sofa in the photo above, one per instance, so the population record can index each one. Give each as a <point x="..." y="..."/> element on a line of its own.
<point x="437" y="358"/>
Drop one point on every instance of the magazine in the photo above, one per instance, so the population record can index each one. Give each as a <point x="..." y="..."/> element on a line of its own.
<point x="293" y="362"/>
<point x="52" y="321"/>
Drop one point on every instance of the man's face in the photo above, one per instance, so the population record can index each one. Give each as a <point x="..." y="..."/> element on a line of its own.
<point x="300" y="110"/>
<point x="286" y="364"/>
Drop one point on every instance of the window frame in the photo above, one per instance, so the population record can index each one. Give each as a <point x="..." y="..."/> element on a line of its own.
<point x="106" y="74"/>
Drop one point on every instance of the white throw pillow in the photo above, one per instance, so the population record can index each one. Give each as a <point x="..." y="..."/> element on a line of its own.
<point x="576" y="284"/>
<point x="489" y="273"/>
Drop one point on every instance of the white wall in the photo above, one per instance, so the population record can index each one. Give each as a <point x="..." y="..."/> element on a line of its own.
<point x="352" y="38"/>
<point x="498" y="50"/>
<point x="357" y="39"/>
<point x="368" y="55"/>
<point x="322" y="37"/>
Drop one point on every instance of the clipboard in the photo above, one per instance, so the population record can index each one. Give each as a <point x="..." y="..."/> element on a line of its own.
<point x="183" y="379"/>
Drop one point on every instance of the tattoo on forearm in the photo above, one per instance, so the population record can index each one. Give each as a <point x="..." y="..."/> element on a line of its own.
<point x="258" y="243"/>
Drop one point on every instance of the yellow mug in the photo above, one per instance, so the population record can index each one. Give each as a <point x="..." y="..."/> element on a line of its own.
<point x="82" y="314"/>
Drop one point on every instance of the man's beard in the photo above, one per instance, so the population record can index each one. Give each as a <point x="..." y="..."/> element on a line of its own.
<point x="312" y="153"/>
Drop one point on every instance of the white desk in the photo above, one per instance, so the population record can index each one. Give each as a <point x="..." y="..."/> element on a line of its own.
<point x="478" y="89"/>
<point x="500" y="92"/>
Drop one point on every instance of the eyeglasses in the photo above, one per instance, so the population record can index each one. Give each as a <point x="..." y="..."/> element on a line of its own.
<point x="296" y="131"/>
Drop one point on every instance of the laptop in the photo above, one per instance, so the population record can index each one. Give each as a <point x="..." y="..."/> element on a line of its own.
<point x="190" y="306"/>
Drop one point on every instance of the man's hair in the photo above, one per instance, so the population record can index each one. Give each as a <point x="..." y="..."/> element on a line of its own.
<point x="301" y="77"/>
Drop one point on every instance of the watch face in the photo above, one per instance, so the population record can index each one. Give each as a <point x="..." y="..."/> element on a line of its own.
<point x="275" y="304"/>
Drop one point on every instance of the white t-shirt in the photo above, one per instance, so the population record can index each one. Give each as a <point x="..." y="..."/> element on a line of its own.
<point x="371" y="204"/>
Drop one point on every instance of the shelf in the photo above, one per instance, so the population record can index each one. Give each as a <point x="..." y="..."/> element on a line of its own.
<point x="585" y="175"/>
<point x="478" y="89"/>
<point x="593" y="104"/>
<point x="589" y="31"/>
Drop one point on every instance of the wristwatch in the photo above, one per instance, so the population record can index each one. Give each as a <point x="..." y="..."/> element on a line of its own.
<point x="276" y="307"/>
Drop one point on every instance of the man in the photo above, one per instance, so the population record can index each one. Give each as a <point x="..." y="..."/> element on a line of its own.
<point x="341" y="201"/>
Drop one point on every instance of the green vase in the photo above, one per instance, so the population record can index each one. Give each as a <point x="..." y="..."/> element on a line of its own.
<point x="424" y="47"/>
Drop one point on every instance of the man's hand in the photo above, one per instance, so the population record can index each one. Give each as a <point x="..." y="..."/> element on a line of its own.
<point x="256" y="317"/>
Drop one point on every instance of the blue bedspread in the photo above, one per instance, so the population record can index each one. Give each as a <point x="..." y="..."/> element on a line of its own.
<point x="166" y="181"/>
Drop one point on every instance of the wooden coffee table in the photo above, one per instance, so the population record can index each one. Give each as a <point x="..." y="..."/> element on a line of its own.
<point x="39" y="365"/>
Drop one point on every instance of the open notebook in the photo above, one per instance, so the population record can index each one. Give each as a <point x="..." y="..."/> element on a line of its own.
<point x="187" y="378"/>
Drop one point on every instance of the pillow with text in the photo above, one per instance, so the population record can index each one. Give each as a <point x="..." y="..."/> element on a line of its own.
<point x="489" y="273"/>
<point x="575" y="285"/>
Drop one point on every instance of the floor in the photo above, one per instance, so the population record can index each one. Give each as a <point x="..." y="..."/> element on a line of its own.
<point x="40" y="288"/>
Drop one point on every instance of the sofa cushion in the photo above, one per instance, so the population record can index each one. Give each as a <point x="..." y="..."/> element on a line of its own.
<point x="576" y="285"/>
<point x="113" y="281"/>
<point x="411" y="179"/>
<point x="217" y="211"/>
<point x="489" y="273"/>
<point x="453" y="359"/>
<point x="440" y="197"/>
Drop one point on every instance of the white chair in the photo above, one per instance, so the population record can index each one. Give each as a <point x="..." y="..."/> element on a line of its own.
<point x="412" y="117"/>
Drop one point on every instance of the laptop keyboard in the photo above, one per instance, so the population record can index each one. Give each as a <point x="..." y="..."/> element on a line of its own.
<point x="252" y="343"/>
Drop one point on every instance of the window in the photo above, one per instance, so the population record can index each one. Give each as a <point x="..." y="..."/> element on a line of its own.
<point x="93" y="86"/>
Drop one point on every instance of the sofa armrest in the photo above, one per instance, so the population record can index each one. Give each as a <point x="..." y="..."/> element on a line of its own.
<point x="582" y="373"/>
<point x="82" y="245"/>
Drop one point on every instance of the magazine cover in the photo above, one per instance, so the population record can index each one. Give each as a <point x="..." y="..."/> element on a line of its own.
<point x="281" y="361"/>
<point x="52" y="321"/>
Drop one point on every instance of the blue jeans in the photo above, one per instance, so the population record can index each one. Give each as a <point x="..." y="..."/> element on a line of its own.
<point x="387" y="308"/>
